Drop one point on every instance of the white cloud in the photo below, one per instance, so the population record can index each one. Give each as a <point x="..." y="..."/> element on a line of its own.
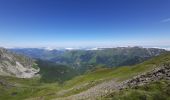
<point x="166" y="20"/>
<point x="168" y="49"/>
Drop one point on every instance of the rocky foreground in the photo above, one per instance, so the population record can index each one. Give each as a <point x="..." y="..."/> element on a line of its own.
<point x="105" y="88"/>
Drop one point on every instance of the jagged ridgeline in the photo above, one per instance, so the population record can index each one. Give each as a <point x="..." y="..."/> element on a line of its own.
<point x="12" y="64"/>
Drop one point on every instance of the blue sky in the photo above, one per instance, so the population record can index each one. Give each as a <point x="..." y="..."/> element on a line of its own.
<point x="81" y="23"/>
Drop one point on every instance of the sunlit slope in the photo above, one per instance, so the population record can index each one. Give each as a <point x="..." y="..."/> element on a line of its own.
<point x="91" y="79"/>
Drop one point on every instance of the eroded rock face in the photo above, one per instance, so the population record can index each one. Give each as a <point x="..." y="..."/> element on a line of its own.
<point x="12" y="64"/>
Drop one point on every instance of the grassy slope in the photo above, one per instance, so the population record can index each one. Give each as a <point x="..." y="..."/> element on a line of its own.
<point x="26" y="88"/>
<point x="159" y="90"/>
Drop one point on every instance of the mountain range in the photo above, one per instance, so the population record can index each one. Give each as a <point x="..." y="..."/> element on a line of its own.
<point x="84" y="60"/>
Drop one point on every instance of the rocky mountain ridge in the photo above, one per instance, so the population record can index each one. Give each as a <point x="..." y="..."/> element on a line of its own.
<point x="12" y="64"/>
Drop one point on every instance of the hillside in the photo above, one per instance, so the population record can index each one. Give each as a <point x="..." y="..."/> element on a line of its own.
<point x="51" y="72"/>
<point x="12" y="64"/>
<point x="102" y="83"/>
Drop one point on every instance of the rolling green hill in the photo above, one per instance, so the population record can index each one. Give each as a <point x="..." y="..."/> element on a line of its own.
<point x="33" y="89"/>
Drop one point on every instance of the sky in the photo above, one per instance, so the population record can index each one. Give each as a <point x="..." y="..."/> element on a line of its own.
<point x="84" y="23"/>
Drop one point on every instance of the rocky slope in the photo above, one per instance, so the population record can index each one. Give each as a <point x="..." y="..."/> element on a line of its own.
<point x="12" y="64"/>
<point x="105" y="88"/>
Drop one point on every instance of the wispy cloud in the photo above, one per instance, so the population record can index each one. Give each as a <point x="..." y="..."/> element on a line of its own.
<point x="166" y="20"/>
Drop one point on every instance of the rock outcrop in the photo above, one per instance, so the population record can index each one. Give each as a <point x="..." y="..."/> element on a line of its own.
<point x="12" y="64"/>
<point x="162" y="72"/>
